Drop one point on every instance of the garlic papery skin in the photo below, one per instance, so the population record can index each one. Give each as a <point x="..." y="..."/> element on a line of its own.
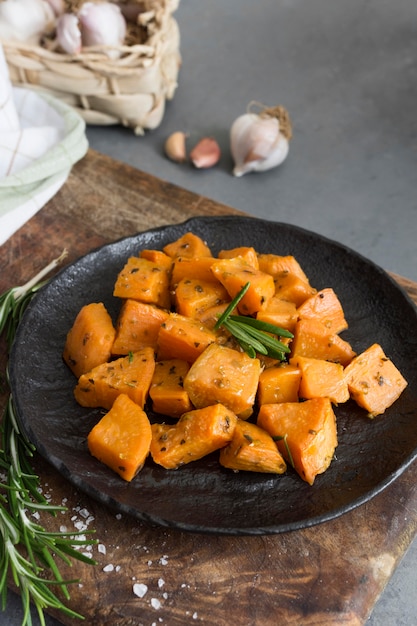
<point x="102" y="24"/>
<point x="25" y="20"/>
<point x="68" y="33"/>
<point x="257" y="142"/>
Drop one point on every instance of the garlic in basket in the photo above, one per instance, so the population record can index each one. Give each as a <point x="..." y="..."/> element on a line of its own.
<point x="260" y="141"/>
<point x="25" y="20"/>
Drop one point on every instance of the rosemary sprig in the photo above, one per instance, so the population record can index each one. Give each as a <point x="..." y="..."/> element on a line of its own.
<point x="29" y="553"/>
<point x="254" y="336"/>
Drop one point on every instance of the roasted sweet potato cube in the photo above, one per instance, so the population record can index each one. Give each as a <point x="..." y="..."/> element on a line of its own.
<point x="374" y="381"/>
<point x="292" y="288"/>
<point x="326" y="307"/>
<point x="122" y="438"/>
<point x="235" y="273"/>
<point x="194" y="296"/>
<point x="189" y="245"/>
<point x="143" y="280"/>
<point x="90" y="339"/>
<point x="275" y="264"/>
<point x="279" y="312"/>
<point x="137" y="326"/>
<point x="167" y="388"/>
<point x="183" y="338"/>
<point x="196" y="434"/>
<point x="252" y="449"/>
<point x="305" y="433"/>
<point x="247" y="253"/>
<point x="312" y="339"/>
<point x="192" y="267"/>
<point x="222" y="374"/>
<point x="279" y="383"/>
<point x="130" y="375"/>
<point x="157" y="256"/>
<point x="321" y="379"/>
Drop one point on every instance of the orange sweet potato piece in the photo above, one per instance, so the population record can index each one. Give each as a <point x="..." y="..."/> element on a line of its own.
<point x="276" y="264"/>
<point x="167" y="388"/>
<point x="326" y="307"/>
<point x="157" y="256"/>
<point x="222" y="374"/>
<point x="137" y="326"/>
<point x="143" y="280"/>
<point x="321" y="379"/>
<point x="279" y="384"/>
<point x="374" y="381"/>
<point x="194" y="296"/>
<point x="235" y="273"/>
<point x="130" y="375"/>
<point x="183" y="338"/>
<point x="196" y="434"/>
<point x="122" y="438"/>
<point x="312" y="339"/>
<point x="189" y="245"/>
<point x="247" y="253"/>
<point x="90" y="339"/>
<point x="292" y="288"/>
<point x="279" y="312"/>
<point x="307" y="429"/>
<point x="252" y="449"/>
<point x="192" y="267"/>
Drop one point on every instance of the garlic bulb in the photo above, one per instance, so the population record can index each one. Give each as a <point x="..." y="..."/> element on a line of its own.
<point x="260" y="141"/>
<point x="25" y="20"/>
<point x="68" y="33"/>
<point x="102" y="23"/>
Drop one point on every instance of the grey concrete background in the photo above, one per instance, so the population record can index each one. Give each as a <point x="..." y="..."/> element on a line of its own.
<point x="347" y="73"/>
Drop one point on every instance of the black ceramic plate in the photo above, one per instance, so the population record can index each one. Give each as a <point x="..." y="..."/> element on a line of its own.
<point x="202" y="496"/>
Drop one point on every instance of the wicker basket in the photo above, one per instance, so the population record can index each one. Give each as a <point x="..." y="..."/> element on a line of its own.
<point x="131" y="90"/>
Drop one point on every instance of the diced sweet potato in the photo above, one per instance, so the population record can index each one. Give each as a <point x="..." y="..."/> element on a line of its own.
<point x="192" y="267"/>
<point x="312" y="339"/>
<point x="167" y="388"/>
<point x="305" y="433"/>
<point x="196" y="434"/>
<point x="137" y="326"/>
<point x="321" y="379"/>
<point x="183" y="338"/>
<point x="90" y="339"/>
<point x="122" y="438"/>
<point x="279" y="384"/>
<point x="130" y="375"/>
<point x="247" y="253"/>
<point x="221" y="374"/>
<point x="279" y="312"/>
<point x="374" y="381"/>
<point x="235" y="273"/>
<point x="292" y="288"/>
<point x="158" y="257"/>
<point x="275" y="264"/>
<point x="143" y="280"/>
<point x="194" y="296"/>
<point x="189" y="245"/>
<point x="252" y="449"/>
<point x="324" y="306"/>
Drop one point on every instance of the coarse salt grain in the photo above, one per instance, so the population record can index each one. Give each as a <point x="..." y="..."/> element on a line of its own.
<point x="140" y="589"/>
<point x="101" y="548"/>
<point x="108" y="568"/>
<point x="155" y="603"/>
<point x="161" y="582"/>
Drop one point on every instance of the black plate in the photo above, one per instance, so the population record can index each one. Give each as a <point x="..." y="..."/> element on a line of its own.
<point x="202" y="496"/>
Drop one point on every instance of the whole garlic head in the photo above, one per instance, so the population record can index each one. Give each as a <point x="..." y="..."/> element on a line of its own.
<point x="102" y="23"/>
<point x="25" y="20"/>
<point x="257" y="141"/>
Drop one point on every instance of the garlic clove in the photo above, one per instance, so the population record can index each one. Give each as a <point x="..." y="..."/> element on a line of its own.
<point x="257" y="142"/>
<point x="175" y="147"/>
<point x="102" y="24"/>
<point x="206" y="153"/>
<point x="68" y="33"/>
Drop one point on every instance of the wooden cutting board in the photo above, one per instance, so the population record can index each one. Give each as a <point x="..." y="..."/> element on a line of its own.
<point x="329" y="574"/>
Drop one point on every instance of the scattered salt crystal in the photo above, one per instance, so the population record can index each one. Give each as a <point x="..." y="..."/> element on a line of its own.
<point x="163" y="560"/>
<point x="101" y="548"/>
<point x="195" y="615"/>
<point x="84" y="513"/>
<point x="108" y="568"/>
<point x="119" y="516"/>
<point x="63" y="529"/>
<point x="161" y="582"/>
<point x="165" y="595"/>
<point x="88" y="554"/>
<point x="36" y="515"/>
<point x="140" y="590"/>
<point x="80" y="525"/>
<point x="149" y="563"/>
<point x="117" y="568"/>
<point x="155" y="603"/>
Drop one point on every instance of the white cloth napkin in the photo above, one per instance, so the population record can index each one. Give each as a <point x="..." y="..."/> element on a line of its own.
<point x="40" y="140"/>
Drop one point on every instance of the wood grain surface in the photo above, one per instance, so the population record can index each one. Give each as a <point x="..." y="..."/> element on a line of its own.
<point x="325" y="575"/>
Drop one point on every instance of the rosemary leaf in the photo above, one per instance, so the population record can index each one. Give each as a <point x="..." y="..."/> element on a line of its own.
<point x="264" y="326"/>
